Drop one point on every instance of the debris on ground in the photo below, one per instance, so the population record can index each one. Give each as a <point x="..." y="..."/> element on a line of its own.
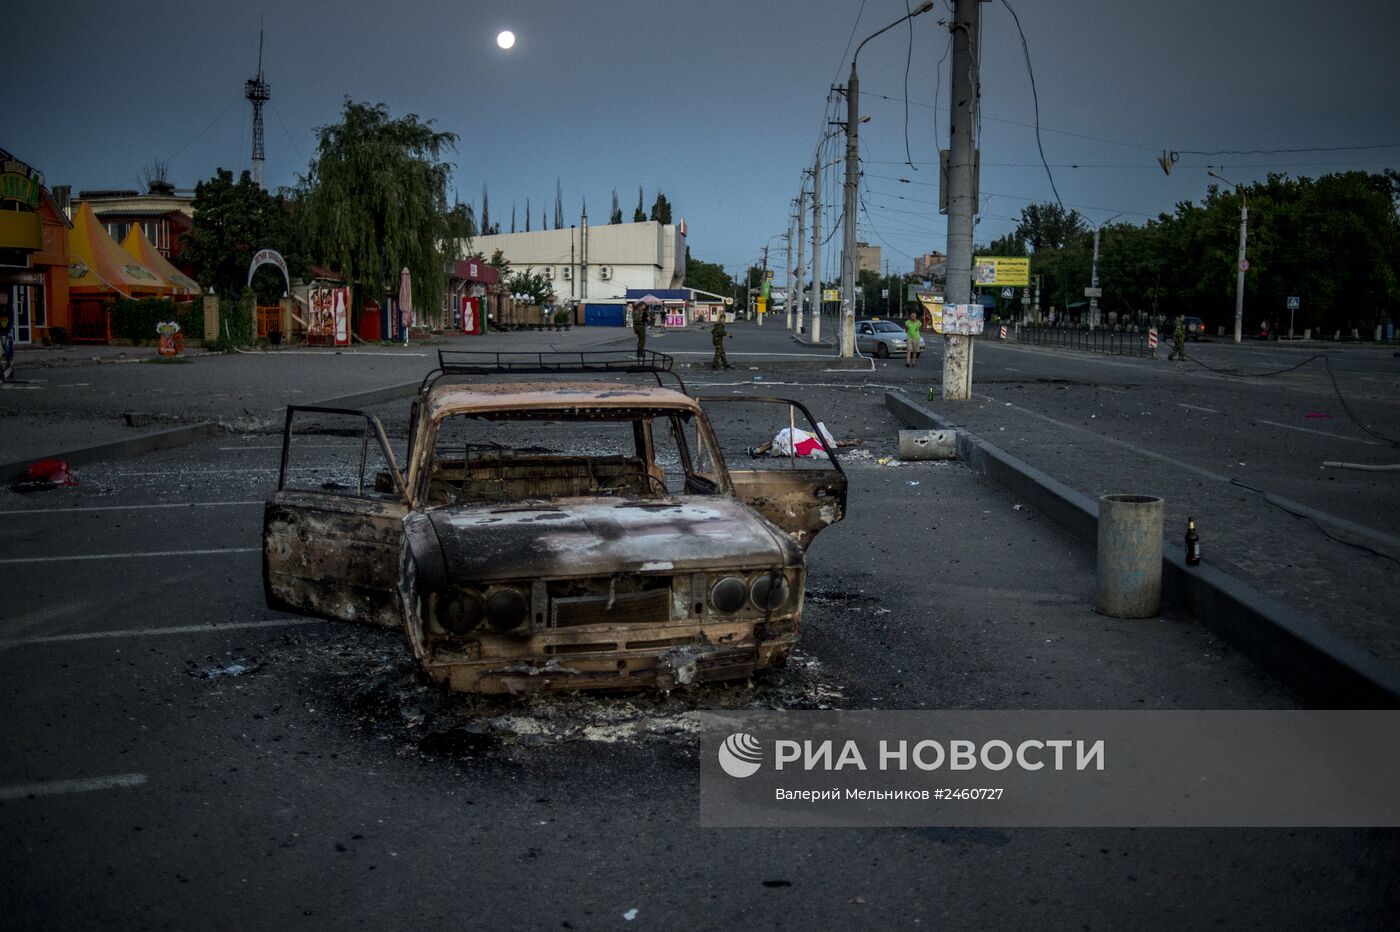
<point x="235" y="667"/>
<point x="44" y="475"/>
<point x="376" y="685"/>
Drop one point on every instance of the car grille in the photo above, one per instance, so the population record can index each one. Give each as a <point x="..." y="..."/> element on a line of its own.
<point x="650" y="606"/>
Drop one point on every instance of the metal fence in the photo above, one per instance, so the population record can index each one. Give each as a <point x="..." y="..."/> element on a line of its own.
<point x="1100" y="340"/>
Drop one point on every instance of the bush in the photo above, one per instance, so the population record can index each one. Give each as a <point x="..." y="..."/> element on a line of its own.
<point x="236" y="324"/>
<point x="136" y="320"/>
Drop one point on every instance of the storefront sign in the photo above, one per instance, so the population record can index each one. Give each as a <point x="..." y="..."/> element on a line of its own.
<point x="269" y="257"/>
<point x="24" y="188"/>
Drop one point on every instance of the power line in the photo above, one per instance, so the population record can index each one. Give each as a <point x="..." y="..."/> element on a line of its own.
<point x="1035" y="98"/>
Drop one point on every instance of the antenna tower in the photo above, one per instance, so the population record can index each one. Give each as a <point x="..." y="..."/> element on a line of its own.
<point x="258" y="93"/>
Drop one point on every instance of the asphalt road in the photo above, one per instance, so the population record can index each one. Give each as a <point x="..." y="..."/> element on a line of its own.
<point x="179" y="756"/>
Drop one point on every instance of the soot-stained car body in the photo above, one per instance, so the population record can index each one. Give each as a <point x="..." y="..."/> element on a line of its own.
<point x="552" y="533"/>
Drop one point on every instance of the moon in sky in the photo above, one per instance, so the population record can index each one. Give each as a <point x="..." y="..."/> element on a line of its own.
<point x="506" y="39"/>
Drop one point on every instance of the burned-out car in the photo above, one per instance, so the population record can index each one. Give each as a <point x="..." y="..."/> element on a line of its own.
<point x="552" y="531"/>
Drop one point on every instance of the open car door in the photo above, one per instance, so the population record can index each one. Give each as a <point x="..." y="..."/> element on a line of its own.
<point x="800" y="494"/>
<point x="331" y="536"/>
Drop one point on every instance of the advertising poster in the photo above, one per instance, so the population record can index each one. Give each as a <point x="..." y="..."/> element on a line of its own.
<point x="932" y="305"/>
<point x="962" y="319"/>
<point x="675" y="317"/>
<point x="996" y="271"/>
<point x="468" y="318"/>
<point x="329" y="321"/>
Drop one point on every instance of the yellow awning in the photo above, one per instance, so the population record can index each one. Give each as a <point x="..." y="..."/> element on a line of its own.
<point x="96" y="263"/>
<point x="138" y="246"/>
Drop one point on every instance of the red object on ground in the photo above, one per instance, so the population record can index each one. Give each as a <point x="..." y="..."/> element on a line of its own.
<point x="52" y="471"/>
<point x="1318" y="414"/>
<point x="808" y="446"/>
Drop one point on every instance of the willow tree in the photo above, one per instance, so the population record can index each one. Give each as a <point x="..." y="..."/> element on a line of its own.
<point x="375" y="201"/>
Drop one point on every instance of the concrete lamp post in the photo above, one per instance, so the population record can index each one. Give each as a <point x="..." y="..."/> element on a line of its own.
<point x="1094" y="275"/>
<point x="848" y="238"/>
<point x="1243" y="265"/>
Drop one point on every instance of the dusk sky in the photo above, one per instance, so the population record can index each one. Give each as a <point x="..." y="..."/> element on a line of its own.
<point x="719" y="104"/>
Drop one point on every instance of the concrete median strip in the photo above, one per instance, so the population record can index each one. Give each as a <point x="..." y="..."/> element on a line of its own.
<point x="161" y="632"/>
<point x="131" y="447"/>
<point x="119" y="781"/>
<point x="1291" y="646"/>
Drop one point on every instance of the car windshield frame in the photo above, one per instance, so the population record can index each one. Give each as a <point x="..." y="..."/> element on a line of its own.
<point x="678" y="421"/>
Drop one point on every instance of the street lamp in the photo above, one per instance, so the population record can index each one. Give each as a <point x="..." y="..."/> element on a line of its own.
<point x="848" y="239"/>
<point x="1094" y="275"/>
<point x="1243" y="265"/>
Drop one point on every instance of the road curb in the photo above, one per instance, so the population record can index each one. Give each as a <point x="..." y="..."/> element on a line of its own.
<point x="1301" y="652"/>
<point x="818" y="363"/>
<point x="129" y="447"/>
<point x="125" y="448"/>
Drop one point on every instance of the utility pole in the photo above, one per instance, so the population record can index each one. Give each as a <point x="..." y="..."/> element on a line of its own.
<point x="1094" y="284"/>
<point x="763" y="283"/>
<point x="1243" y="264"/>
<point x="799" y="288"/>
<point x="966" y="87"/>
<point x="848" y="207"/>
<point x="789" y="277"/>
<point x="848" y="243"/>
<point x="583" y="256"/>
<point x="816" y="331"/>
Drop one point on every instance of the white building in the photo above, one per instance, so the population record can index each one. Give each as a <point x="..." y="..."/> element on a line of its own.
<point x="597" y="263"/>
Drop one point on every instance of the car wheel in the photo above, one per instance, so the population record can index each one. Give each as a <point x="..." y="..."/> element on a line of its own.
<point x="883" y="351"/>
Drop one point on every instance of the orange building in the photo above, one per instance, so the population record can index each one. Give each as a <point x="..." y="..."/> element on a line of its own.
<point x="33" y="253"/>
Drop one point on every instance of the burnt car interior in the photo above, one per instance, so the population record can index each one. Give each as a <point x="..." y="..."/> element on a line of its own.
<point x="517" y="455"/>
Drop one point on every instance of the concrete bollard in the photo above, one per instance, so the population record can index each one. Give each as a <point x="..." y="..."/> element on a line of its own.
<point x="1130" y="556"/>
<point x="927" y="445"/>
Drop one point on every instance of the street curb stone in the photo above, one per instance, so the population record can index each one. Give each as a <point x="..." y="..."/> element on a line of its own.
<point x="1311" y="658"/>
<point x="130" y="447"/>
<point x="125" y="448"/>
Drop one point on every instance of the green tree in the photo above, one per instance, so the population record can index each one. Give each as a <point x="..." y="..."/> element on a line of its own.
<point x="532" y="285"/>
<point x="616" y="215"/>
<point x="1049" y="226"/>
<point x="660" y="209"/>
<point x="707" y="276"/>
<point x="639" y="215"/>
<point x="232" y="221"/>
<point x="375" y="201"/>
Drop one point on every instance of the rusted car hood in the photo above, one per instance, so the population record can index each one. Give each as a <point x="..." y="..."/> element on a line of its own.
<point x="575" y="537"/>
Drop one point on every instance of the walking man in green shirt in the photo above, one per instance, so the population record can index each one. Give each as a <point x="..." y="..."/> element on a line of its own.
<point x="912" y="326"/>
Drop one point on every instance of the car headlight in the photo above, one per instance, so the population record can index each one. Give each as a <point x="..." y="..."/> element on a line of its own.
<point x="506" y="608"/>
<point x="769" y="591"/>
<point x="728" y="594"/>
<point x="459" y="611"/>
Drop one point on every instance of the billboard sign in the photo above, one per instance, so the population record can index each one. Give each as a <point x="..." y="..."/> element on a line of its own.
<point x="1001" y="270"/>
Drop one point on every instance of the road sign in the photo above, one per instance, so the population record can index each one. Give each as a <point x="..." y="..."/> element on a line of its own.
<point x="1093" y="292"/>
<point x="1008" y="292"/>
<point x="1244" y="265"/>
<point x="1293" y="302"/>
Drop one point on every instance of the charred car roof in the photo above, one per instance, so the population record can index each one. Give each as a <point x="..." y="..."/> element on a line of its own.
<point x="445" y="400"/>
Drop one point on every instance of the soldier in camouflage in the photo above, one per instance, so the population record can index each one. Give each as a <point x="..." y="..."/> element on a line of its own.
<point x="717" y="335"/>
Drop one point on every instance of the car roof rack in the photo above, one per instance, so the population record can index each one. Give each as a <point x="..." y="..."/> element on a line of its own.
<point x="623" y="362"/>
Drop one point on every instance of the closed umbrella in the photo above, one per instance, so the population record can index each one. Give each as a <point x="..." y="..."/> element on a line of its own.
<point x="405" y="302"/>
